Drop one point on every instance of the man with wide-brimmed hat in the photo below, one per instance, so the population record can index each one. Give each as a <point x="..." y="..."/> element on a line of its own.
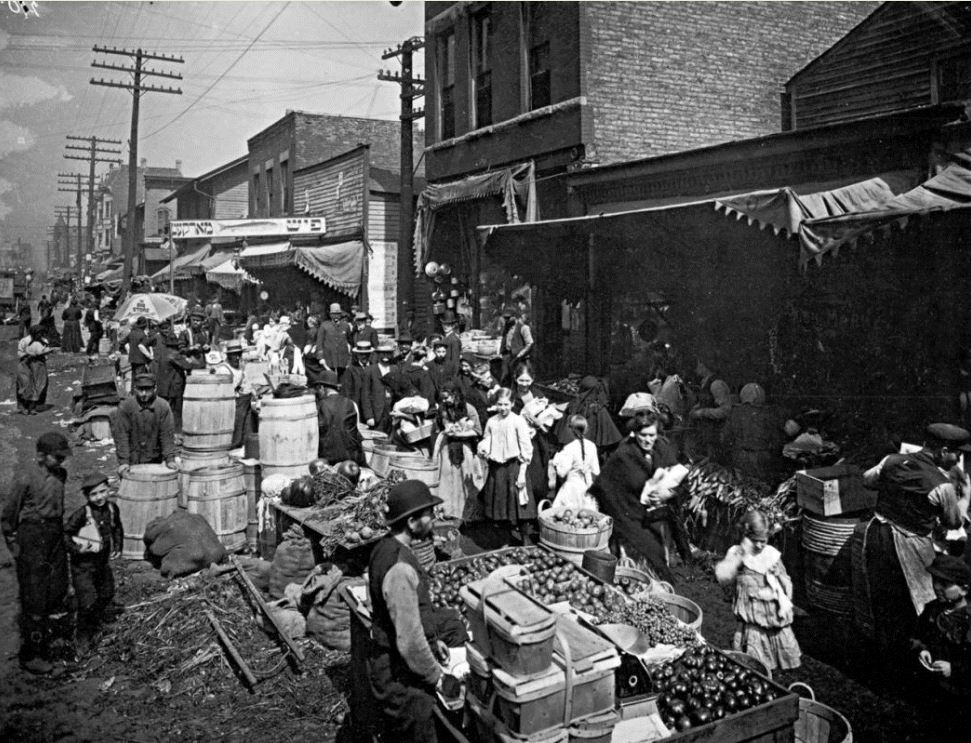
<point x="337" y="420"/>
<point x="331" y="345"/>
<point x="918" y="492"/>
<point x="453" y="344"/>
<point x="376" y="403"/>
<point x="144" y="428"/>
<point x="32" y="524"/>
<point x="411" y="638"/>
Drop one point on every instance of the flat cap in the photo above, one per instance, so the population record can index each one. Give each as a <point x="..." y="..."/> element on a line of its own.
<point x="93" y="480"/>
<point x="145" y="380"/>
<point x="948" y="434"/>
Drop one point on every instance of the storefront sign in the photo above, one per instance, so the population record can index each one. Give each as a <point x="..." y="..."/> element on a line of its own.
<point x="206" y="228"/>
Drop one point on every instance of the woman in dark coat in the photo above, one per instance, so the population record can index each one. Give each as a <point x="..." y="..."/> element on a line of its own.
<point x="96" y="332"/>
<point x="640" y="530"/>
<point x="71" y="332"/>
<point x="592" y="404"/>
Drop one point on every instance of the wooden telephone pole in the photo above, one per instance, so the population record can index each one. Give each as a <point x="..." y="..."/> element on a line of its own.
<point x="71" y="182"/>
<point x="95" y="152"/>
<point x="411" y="88"/>
<point x="65" y="212"/>
<point x="137" y="87"/>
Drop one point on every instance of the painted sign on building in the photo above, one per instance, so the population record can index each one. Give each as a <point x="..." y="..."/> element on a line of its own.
<point x="204" y="228"/>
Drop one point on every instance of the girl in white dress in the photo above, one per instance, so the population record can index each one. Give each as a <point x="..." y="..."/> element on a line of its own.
<point x="577" y="464"/>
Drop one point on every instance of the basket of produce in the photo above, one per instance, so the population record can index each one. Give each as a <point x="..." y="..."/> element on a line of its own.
<point x="633" y="580"/>
<point x="684" y="609"/>
<point x="574" y="531"/>
<point x="413" y="434"/>
<point x="750" y="662"/>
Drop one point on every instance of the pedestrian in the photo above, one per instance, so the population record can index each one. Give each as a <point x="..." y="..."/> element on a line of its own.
<point x="32" y="379"/>
<point x="25" y="317"/>
<point x="96" y="332"/>
<point x="354" y="379"/>
<point x="140" y="351"/>
<point x="942" y="637"/>
<point x="173" y="363"/>
<point x="439" y="368"/>
<point x="144" y="428"/>
<point x="763" y="597"/>
<point x="337" y="421"/>
<point x="460" y="473"/>
<point x="214" y="319"/>
<point x="376" y="410"/>
<point x="243" y="422"/>
<point x="71" y="331"/>
<point x="516" y="344"/>
<point x="32" y="523"/>
<point x="195" y="336"/>
<point x="94" y="535"/>
<point x="362" y="331"/>
<point x="713" y="403"/>
<point x="410" y="637"/>
<point x="577" y="465"/>
<point x="332" y="340"/>
<point x="754" y="435"/>
<point x="507" y="447"/>
<point x="453" y="344"/>
<point x="591" y="403"/>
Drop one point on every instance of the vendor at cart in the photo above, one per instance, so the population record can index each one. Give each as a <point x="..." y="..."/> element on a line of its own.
<point x="917" y="491"/>
<point x="642" y="532"/>
<point x="410" y="638"/>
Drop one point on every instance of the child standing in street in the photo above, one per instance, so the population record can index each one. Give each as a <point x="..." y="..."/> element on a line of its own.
<point x="763" y="597"/>
<point x="577" y="462"/>
<point x="94" y="534"/>
<point x="507" y="448"/>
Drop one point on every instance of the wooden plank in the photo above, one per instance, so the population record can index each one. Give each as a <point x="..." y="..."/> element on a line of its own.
<point x="231" y="649"/>
<point x="258" y="597"/>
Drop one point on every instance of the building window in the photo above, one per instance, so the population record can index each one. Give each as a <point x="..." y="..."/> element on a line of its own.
<point x="256" y="194"/>
<point x="161" y="220"/>
<point x="284" y="186"/>
<point x="954" y="79"/>
<point x="539" y="76"/>
<point x="270" y="205"/>
<point x="446" y="70"/>
<point x="481" y="68"/>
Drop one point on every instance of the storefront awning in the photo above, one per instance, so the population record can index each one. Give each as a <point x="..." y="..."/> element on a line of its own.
<point x="229" y="276"/>
<point x="947" y="191"/>
<point x="339" y="266"/>
<point x="267" y="255"/>
<point x="181" y="266"/>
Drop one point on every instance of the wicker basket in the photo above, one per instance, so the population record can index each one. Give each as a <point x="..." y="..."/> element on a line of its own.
<point x="420" y="433"/>
<point x="567" y="539"/>
<point x="818" y="723"/>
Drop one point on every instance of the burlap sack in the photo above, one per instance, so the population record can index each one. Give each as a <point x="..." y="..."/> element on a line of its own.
<point x="292" y="563"/>
<point x="329" y="617"/>
<point x="182" y="543"/>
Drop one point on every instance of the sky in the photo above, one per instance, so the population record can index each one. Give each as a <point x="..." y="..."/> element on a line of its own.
<point x="245" y="64"/>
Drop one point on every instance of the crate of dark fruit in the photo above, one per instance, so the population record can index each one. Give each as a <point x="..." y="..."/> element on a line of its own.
<point x="704" y="690"/>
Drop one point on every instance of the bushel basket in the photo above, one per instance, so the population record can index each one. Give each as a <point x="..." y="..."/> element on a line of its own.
<point x="555" y="533"/>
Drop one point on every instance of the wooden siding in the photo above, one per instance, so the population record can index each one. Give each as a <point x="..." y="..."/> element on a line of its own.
<point x="383" y="214"/>
<point x="232" y="204"/>
<point x="334" y="191"/>
<point x="382" y="230"/>
<point x="886" y="64"/>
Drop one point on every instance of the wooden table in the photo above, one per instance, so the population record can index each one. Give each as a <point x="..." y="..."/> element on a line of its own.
<point x="355" y="560"/>
<point x="365" y="718"/>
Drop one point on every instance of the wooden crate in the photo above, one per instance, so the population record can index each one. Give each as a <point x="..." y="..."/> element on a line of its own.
<point x="830" y="491"/>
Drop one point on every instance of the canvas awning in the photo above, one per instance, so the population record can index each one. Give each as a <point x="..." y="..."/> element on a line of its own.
<point x="949" y="190"/>
<point x="339" y="266"/>
<point x="182" y="265"/>
<point x="267" y="255"/>
<point x="229" y="276"/>
<point x="517" y="182"/>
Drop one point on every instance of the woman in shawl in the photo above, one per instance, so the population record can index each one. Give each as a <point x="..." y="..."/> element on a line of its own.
<point x="541" y="416"/>
<point x="32" y="371"/>
<point x="460" y="473"/>
<point x="592" y="404"/>
<point x="754" y="435"/>
<point x="523" y="376"/>
<point x="639" y="531"/>
<point x="71" y="332"/>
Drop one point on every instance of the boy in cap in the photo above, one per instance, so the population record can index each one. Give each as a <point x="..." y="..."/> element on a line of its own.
<point x="32" y="525"/>
<point x="916" y="492"/>
<point x="943" y="634"/>
<point x="93" y="534"/>
<point x="440" y="369"/>
<point x="411" y="638"/>
<point x="144" y="428"/>
<point x="195" y="337"/>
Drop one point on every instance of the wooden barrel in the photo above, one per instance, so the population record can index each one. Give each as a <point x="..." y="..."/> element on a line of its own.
<point x="208" y="412"/>
<point x="288" y="435"/>
<point x="196" y="460"/>
<point x="862" y="608"/>
<point x="218" y="494"/>
<point x="416" y="467"/>
<point x="826" y="542"/>
<point x="252" y="480"/>
<point x="147" y="491"/>
<point x="380" y="456"/>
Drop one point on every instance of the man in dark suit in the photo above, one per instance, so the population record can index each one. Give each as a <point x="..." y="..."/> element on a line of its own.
<point x="354" y="379"/>
<point x="376" y="401"/>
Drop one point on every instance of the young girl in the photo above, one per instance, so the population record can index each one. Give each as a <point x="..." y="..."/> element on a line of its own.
<point x="460" y="473"/>
<point x="763" y="597"/>
<point x="577" y="462"/>
<point x="507" y="448"/>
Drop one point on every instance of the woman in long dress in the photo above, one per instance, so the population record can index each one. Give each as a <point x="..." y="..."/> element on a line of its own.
<point x="32" y="371"/>
<point x="71" y="333"/>
<point x="460" y="473"/>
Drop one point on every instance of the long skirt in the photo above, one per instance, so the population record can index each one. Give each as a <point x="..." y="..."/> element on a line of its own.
<point x="776" y="647"/>
<point x="457" y="483"/>
<point x="500" y="496"/>
<point x="71" y="337"/>
<point x="32" y="380"/>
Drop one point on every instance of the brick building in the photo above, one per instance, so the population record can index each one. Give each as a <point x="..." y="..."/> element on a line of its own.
<point x="301" y="139"/>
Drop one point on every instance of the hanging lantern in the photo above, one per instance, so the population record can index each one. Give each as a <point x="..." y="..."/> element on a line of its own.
<point x="445" y="270"/>
<point x="432" y="269"/>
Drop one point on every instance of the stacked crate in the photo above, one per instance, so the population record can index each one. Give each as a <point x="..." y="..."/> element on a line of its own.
<point x="535" y="675"/>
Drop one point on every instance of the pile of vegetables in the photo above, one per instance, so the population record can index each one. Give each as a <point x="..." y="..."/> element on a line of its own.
<point x="357" y="518"/>
<point x="447" y="579"/>
<point x="653" y="619"/>
<point x="703" y="686"/>
<point x="559" y="582"/>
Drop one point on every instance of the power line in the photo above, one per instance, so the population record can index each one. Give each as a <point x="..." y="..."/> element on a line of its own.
<point x="216" y="81"/>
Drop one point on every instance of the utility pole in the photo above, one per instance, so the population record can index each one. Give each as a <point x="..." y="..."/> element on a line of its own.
<point x="95" y="155"/>
<point x="65" y="212"/>
<point x="137" y="87"/>
<point x="411" y="88"/>
<point x="65" y="184"/>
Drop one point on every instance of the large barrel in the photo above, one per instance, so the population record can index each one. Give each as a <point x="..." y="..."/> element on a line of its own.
<point x="826" y="542"/>
<point x="415" y="466"/>
<point x="218" y="494"/>
<point x="252" y="480"/>
<point x="147" y="491"/>
<point x="288" y="435"/>
<point x="197" y="460"/>
<point x="208" y="412"/>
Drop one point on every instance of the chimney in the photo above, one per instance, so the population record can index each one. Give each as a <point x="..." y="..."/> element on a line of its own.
<point x="143" y="163"/>
<point x="178" y="166"/>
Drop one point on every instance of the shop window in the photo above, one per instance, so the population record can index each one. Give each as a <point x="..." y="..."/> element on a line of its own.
<point x="161" y="220"/>
<point x="539" y="76"/>
<point x="446" y="69"/>
<point x="954" y="79"/>
<point x="270" y="205"/>
<point x="481" y="68"/>
<point x="284" y="186"/>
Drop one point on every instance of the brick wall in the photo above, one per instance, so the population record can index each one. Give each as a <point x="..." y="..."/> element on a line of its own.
<point x="320" y="137"/>
<point x="665" y="77"/>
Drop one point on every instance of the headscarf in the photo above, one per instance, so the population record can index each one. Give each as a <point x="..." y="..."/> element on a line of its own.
<point x="752" y="394"/>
